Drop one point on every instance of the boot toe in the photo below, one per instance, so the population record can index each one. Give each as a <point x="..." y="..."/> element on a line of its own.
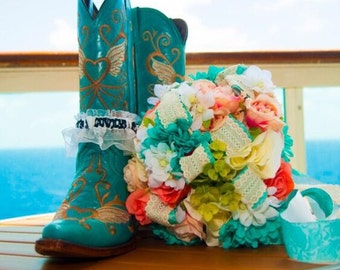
<point x="96" y="234"/>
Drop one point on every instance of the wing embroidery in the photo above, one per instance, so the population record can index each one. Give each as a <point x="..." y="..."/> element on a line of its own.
<point x="81" y="63"/>
<point x="62" y="211"/>
<point x="116" y="56"/>
<point x="109" y="214"/>
<point x="164" y="72"/>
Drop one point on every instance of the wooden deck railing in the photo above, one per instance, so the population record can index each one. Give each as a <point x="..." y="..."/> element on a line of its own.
<point x="292" y="70"/>
<point x="70" y="59"/>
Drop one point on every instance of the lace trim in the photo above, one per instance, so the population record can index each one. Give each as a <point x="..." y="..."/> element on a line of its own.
<point x="170" y="109"/>
<point x="158" y="211"/>
<point x="192" y="165"/>
<point x="102" y="127"/>
<point x="235" y="80"/>
<point x="251" y="188"/>
<point x="233" y="133"/>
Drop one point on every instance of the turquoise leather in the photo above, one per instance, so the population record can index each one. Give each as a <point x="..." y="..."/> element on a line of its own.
<point x="159" y="52"/>
<point x="105" y="52"/>
<point x="93" y="212"/>
<point x="316" y="241"/>
<point x="117" y="72"/>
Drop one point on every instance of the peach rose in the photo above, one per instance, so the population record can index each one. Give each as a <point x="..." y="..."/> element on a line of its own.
<point x="136" y="203"/>
<point x="204" y="86"/>
<point x="134" y="175"/>
<point x="264" y="112"/>
<point x="282" y="181"/>
<point x="226" y="98"/>
<point x="226" y="101"/>
<point x="189" y="229"/>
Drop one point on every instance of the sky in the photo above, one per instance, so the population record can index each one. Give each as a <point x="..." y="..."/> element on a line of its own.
<point x="214" y="25"/>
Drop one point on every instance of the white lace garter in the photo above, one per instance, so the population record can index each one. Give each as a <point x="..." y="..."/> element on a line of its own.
<point x="102" y="127"/>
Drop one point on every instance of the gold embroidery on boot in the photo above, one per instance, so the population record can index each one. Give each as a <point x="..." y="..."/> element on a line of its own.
<point x="108" y="213"/>
<point x="118" y="17"/>
<point x="157" y="63"/>
<point x="111" y="64"/>
<point x="85" y="31"/>
<point x="116" y="56"/>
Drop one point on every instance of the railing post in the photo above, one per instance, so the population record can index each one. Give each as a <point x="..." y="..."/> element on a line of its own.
<point x="295" y="120"/>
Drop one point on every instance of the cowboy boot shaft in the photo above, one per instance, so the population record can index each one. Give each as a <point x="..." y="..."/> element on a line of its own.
<point x="106" y="76"/>
<point x="100" y="170"/>
<point x="159" y="52"/>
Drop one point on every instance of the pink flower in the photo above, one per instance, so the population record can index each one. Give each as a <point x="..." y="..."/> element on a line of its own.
<point x="204" y="86"/>
<point x="264" y="112"/>
<point x="225" y="98"/>
<point x="170" y="195"/>
<point x="283" y="181"/>
<point x="189" y="229"/>
<point x="136" y="203"/>
<point x="226" y="101"/>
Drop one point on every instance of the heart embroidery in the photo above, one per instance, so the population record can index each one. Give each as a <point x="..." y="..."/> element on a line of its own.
<point x="96" y="70"/>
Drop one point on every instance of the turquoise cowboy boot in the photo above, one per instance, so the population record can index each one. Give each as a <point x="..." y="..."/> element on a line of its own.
<point x="159" y="51"/>
<point x="92" y="220"/>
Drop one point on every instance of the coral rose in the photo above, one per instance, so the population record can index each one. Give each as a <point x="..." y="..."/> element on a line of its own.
<point x="170" y="195"/>
<point x="283" y="181"/>
<point x="264" y="112"/>
<point x="136" y="203"/>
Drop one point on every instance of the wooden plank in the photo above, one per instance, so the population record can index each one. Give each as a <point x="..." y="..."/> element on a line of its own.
<point x="34" y="220"/>
<point x="18" y="237"/>
<point x="70" y="59"/>
<point x="17" y="252"/>
<point x="157" y="255"/>
<point x="22" y="229"/>
<point x="18" y="249"/>
<point x="160" y="256"/>
<point x="8" y="262"/>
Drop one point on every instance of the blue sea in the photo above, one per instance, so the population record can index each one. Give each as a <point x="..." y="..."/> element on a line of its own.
<point x="35" y="181"/>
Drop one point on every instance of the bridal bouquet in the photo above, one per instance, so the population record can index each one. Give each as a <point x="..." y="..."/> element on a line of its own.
<point x="212" y="160"/>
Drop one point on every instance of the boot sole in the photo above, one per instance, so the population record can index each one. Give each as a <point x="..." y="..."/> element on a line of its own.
<point x="60" y="248"/>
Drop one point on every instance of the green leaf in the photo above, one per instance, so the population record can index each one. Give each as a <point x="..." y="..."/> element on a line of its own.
<point x="254" y="132"/>
<point x="147" y="121"/>
<point x="206" y="124"/>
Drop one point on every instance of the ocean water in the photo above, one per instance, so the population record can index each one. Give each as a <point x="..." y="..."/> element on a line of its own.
<point x="35" y="181"/>
<point x="323" y="160"/>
